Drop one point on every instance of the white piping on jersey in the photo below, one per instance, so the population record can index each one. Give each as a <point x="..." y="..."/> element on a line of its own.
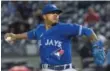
<point x="80" y="30"/>
<point x="34" y="33"/>
<point x="41" y="35"/>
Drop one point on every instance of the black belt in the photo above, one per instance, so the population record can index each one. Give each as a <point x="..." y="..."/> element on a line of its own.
<point x="56" y="67"/>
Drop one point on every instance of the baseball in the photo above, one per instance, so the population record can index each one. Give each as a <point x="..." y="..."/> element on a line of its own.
<point x="8" y="39"/>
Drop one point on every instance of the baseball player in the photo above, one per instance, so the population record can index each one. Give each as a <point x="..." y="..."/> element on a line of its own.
<point x="54" y="41"/>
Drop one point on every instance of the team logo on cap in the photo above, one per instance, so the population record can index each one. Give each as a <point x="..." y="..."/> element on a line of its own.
<point x="54" y="6"/>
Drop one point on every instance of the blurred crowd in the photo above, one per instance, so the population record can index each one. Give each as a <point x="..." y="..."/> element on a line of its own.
<point x="22" y="16"/>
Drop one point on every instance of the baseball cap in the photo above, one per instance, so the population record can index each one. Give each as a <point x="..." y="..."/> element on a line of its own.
<point x="50" y="8"/>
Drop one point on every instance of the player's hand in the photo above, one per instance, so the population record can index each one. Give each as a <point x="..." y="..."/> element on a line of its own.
<point x="10" y="38"/>
<point x="99" y="53"/>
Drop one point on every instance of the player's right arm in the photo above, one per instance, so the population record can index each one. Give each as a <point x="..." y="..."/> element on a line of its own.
<point x="16" y="36"/>
<point x="27" y="35"/>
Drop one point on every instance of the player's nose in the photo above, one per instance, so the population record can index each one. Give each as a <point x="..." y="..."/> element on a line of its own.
<point x="56" y="15"/>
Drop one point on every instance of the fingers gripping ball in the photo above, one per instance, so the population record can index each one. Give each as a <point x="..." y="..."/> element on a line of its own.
<point x="8" y="39"/>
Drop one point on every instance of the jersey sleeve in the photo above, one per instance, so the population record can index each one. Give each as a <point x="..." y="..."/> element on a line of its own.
<point x="73" y="29"/>
<point x="78" y="30"/>
<point x="32" y="34"/>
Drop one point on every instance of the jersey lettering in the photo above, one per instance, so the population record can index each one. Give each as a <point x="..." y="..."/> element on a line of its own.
<point x="50" y="42"/>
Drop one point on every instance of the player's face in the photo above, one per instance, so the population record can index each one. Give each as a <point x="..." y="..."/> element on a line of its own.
<point x="52" y="17"/>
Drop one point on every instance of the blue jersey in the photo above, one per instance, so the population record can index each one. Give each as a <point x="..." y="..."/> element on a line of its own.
<point x="55" y="43"/>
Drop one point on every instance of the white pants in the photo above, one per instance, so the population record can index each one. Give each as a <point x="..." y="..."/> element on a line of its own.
<point x="58" y="70"/>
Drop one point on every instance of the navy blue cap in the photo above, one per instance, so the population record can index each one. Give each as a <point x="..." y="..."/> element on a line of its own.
<point x="50" y="8"/>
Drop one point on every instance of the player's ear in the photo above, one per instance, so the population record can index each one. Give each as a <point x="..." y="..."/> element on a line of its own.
<point x="44" y="16"/>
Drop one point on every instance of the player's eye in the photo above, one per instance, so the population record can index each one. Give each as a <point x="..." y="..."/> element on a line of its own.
<point x="54" y="12"/>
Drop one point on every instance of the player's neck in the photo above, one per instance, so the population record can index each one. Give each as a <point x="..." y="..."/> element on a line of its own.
<point x="48" y="26"/>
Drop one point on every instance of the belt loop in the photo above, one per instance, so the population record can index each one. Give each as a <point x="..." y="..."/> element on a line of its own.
<point x="45" y="66"/>
<point x="70" y="66"/>
<point x="65" y="66"/>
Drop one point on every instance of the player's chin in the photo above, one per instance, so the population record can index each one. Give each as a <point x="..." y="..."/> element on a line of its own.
<point x="55" y="21"/>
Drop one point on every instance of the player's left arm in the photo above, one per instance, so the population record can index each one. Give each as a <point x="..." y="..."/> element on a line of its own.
<point x="89" y="33"/>
<point x="98" y="51"/>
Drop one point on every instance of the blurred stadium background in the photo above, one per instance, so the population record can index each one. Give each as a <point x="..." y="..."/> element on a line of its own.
<point x="21" y="16"/>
